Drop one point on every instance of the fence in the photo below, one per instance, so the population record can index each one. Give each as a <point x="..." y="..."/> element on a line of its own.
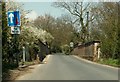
<point x="90" y="50"/>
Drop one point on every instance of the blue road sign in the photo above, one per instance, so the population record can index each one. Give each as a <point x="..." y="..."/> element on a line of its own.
<point x="13" y="18"/>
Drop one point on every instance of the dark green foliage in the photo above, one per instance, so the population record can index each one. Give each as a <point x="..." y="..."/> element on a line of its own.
<point x="6" y="47"/>
<point x="56" y="49"/>
<point x="118" y="39"/>
<point x="4" y="25"/>
<point x="4" y="33"/>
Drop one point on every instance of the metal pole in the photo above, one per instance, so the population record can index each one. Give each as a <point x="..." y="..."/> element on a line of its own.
<point x="16" y="49"/>
<point x="87" y="26"/>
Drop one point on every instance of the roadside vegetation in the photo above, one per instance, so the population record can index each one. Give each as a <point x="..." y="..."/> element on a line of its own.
<point x="12" y="51"/>
<point x="107" y="32"/>
<point x="110" y="61"/>
<point x="97" y="21"/>
<point x="84" y="22"/>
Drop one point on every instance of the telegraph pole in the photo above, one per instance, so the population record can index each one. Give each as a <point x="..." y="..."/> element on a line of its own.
<point x="87" y="36"/>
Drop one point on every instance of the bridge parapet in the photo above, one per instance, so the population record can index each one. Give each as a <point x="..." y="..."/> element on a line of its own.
<point x="89" y="50"/>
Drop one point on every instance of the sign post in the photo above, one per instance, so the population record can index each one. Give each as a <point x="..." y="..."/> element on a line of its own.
<point x="23" y="54"/>
<point x="14" y="23"/>
<point x="71" y="46"/>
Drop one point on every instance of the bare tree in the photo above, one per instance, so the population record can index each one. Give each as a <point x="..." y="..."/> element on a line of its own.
<point x="79" y="11"/>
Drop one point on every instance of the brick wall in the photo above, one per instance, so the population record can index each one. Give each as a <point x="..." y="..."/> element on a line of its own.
<point x="88" y="50"/>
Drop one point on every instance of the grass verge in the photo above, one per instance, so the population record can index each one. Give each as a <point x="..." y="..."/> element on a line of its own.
<point x="110" y="61"/>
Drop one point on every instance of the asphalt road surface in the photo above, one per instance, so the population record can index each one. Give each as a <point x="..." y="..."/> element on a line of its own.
<point x="62" y="67"/>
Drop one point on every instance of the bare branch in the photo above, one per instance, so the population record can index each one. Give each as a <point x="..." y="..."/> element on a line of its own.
<point x="76" y="20"/>
<point x="76" y="8"/>
<point x="66" y="6"/>
<point x="86" y="7"/>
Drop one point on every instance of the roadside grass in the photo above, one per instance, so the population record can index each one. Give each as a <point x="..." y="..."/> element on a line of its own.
<point x="26" y="63"/>
<point x="109" y="61"/>
<point x="29" y="63"/>
<point x="11" y="71"/>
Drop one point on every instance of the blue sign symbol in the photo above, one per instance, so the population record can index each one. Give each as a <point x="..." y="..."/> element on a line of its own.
<point x="13" y="18"/>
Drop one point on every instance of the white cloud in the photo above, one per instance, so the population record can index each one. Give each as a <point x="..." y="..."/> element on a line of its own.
<point x="32" y="15"/>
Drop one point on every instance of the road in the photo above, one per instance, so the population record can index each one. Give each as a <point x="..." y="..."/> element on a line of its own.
<point x="62" y="67"/>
